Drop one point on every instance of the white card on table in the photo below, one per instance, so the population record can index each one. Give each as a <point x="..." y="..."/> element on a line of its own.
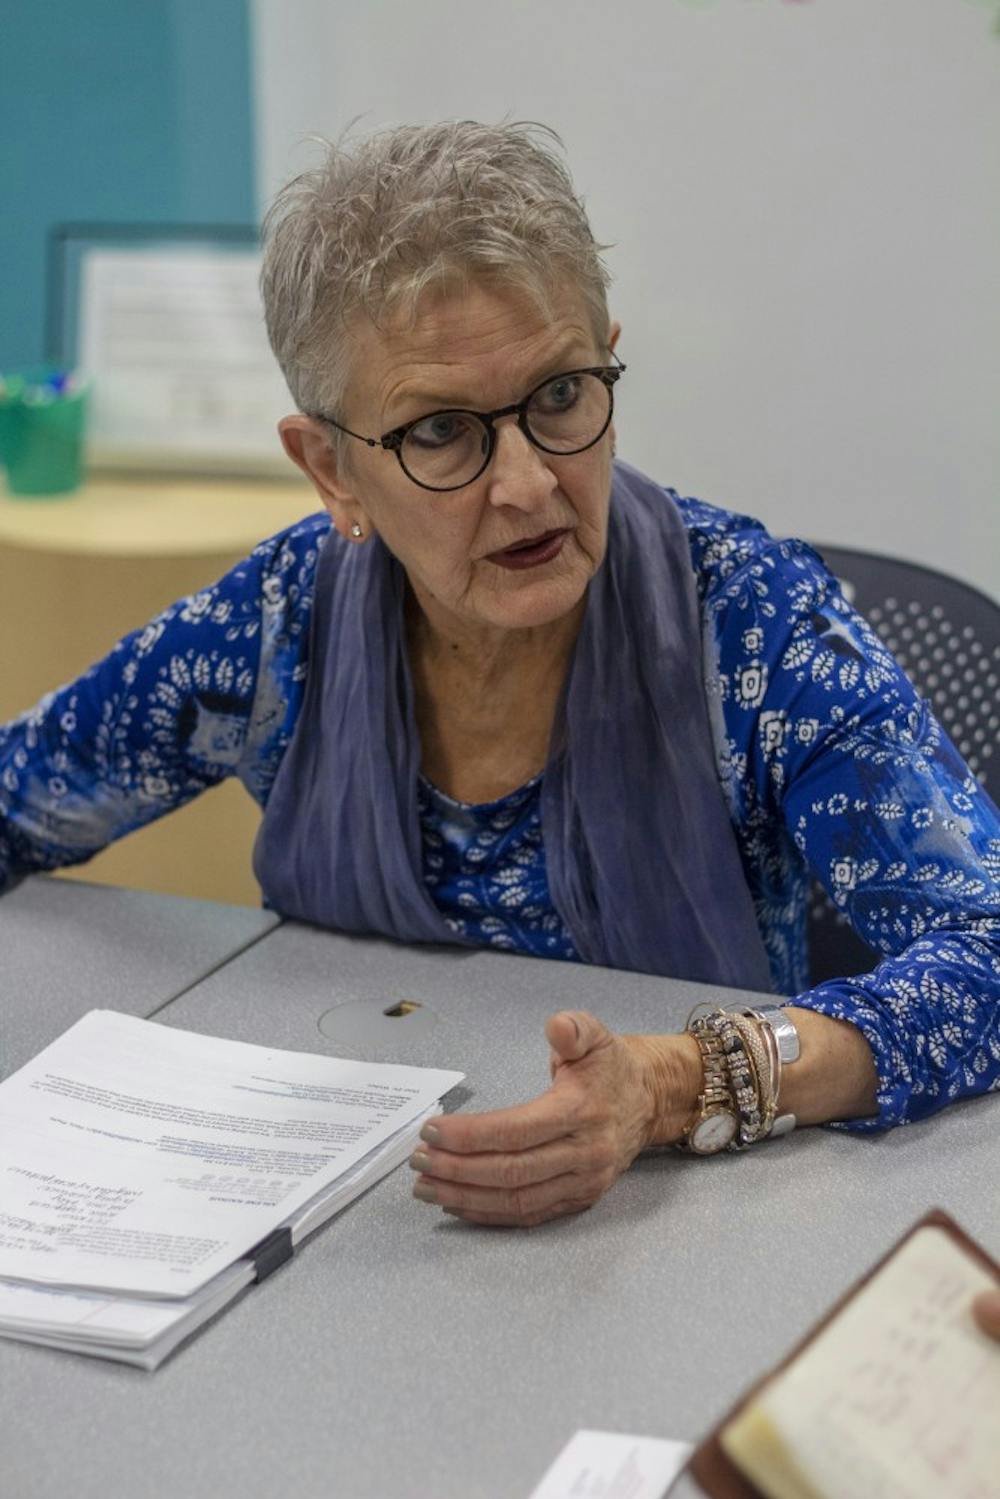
<point x="613" y="1465"/>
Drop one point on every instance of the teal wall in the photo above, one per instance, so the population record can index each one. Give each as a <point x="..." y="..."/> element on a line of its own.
<point x="125" y="110"/>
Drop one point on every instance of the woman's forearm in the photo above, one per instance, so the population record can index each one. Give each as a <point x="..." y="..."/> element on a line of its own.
<point x="835" y="1076"/>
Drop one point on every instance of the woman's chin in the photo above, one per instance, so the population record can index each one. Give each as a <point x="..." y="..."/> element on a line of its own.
<point x="530" y="598"/>
<point x="500" y="598"/>
<point x="532" y="603"/>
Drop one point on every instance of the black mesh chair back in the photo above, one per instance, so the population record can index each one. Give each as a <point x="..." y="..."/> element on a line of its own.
<point x="946" y="637"/>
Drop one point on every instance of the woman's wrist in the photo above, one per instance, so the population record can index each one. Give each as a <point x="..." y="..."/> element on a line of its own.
<point x="835" y="1076"/>
<point x="672" y="1077"/>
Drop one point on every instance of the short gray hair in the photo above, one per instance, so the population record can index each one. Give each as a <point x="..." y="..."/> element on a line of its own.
<point x="384" y="219"/>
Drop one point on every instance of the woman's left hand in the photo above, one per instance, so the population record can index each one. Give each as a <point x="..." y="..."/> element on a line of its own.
<point x="610" y="1097"/>
<point x="986" y="1310"/>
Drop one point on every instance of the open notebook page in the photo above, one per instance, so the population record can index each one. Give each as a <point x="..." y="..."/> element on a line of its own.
<point x="897" y="1398"/>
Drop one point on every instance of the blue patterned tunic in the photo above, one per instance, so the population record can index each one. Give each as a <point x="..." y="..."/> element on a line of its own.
<point x="828" y="759"/>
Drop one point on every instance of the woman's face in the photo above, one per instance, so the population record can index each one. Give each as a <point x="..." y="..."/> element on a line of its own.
<point x="479" y="349"/>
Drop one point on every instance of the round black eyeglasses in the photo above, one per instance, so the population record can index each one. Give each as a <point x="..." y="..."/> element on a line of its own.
<point x="567" y="413"/>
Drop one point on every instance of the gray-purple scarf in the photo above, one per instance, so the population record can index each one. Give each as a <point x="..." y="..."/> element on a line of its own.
<point x="641" y="855"/>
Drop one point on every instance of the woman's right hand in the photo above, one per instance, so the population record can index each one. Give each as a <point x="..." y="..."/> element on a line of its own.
<point x="986" y="1310"/>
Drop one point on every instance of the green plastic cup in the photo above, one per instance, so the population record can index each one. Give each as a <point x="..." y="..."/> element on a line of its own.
<point x="42" y="438"/>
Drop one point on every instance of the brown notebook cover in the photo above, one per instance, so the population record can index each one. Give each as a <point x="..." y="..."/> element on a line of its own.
<point x="709" y="1464"/>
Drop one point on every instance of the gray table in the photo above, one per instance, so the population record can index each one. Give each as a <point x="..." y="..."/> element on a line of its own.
<point x="67" y="947"/>
<point x="402" y="1353"/>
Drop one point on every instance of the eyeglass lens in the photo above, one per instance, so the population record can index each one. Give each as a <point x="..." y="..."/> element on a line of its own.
<point x="449" y="448"/>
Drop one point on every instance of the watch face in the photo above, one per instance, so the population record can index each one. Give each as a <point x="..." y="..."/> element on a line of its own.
<point x="714" y="1133"/>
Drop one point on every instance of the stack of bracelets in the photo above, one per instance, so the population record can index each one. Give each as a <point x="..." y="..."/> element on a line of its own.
<point x="743" y="1051"/>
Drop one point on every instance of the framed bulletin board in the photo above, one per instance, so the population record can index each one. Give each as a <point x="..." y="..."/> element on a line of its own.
<point x="167" y="323"/>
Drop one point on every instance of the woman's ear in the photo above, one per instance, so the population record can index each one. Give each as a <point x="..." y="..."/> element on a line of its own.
<point x="308" y="445"/>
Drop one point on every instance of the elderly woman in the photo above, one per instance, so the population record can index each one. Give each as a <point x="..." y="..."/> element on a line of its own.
<point x="508" y="692"/>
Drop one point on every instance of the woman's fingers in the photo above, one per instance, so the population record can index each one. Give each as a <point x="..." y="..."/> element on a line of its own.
<point x="503" y="1220"/>
<point x="526" y="1125"/>
<point x="509" y="1169"/>
<point x="554" y="1155"/>
<point x="514" y="1204"/>
<point x="986" y="1309"/>
<point x="573" y="1033"/>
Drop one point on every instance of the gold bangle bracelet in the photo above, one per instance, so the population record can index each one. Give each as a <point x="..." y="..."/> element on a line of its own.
<point x="757" y="1051"/>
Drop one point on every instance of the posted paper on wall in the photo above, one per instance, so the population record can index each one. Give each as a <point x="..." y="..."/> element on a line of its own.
<point x="183" y="375"/>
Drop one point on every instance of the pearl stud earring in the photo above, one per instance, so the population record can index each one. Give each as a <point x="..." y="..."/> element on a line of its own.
<point x="356" y="531"/>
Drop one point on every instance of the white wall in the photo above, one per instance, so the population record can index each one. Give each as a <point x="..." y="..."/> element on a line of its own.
<point x="805" y="204"/>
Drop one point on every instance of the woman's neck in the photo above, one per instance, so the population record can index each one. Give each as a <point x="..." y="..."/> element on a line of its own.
<point x="485" y="701"/>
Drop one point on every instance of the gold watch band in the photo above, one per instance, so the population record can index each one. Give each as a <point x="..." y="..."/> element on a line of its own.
<point x="715" y="1096"/>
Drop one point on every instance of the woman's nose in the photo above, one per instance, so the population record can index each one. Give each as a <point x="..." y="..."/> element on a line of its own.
<point x="518" y="474"/>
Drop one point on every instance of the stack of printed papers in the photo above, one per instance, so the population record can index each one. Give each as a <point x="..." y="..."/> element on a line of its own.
<point x="142" y="1167"/>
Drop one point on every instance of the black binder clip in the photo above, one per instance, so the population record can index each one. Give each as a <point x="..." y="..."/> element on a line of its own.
<point x="271" y="1253"/>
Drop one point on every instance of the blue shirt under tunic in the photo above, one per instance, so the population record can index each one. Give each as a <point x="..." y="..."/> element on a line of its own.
<point x="484" y="865"/>
<point x="829" y="762"/>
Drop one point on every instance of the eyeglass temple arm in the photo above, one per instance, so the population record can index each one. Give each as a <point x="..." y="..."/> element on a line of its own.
<point x="371" y="442"/>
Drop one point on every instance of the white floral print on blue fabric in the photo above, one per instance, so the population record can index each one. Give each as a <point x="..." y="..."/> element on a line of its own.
<point x="484" y="868"/>
<point x="827" y="758"/>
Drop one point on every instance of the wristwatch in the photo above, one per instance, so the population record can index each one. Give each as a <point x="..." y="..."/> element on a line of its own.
<point x="714" y="1123"/>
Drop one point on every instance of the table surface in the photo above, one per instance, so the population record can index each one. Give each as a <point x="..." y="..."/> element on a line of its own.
<point x="402" y="1353"/>
<point x="145" y="515"/>
<point x="70" y="947"/>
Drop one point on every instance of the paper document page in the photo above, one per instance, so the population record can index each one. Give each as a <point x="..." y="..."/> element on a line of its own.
<point x="146" y="1331"/>
<point x="125" y="1329"/>
<point x="68" y="1319"/>
<point x="135" y="1157"/>
<point x="95" y="1317"/>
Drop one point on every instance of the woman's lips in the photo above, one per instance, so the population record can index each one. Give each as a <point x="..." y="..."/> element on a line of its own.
<point x="531" y="553"/>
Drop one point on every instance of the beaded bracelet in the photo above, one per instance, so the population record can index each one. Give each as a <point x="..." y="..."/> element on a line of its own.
<point x="746" y="1094"/>
<point x="742" y="1082"/>
<point x="750" y="1068"/>
<point x="755" y="1042"/>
